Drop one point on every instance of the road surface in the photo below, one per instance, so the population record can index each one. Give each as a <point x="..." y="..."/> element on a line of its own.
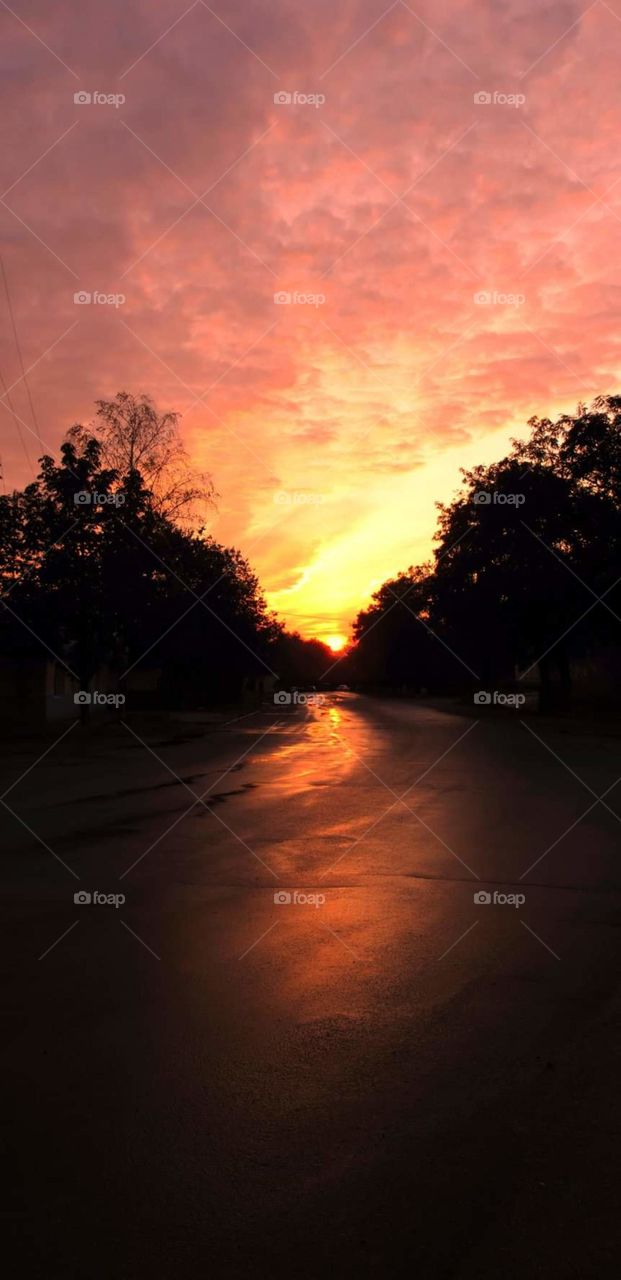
<point x="300" y="1043"/>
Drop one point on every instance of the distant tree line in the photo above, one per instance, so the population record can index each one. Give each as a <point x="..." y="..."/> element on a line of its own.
<point x="103" y="564"/>
<point x="525" y="578"/>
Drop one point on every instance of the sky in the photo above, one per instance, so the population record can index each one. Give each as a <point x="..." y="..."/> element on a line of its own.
<point x="356" y="246"/>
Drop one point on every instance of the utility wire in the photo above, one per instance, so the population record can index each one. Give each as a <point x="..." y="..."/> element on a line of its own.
<point x="19" y="352"/>
<point x="7" y="397"/>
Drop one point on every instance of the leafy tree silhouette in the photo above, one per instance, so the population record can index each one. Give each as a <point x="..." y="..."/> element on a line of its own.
<point x="95" y="571"/>
<point x="524" y="553"/>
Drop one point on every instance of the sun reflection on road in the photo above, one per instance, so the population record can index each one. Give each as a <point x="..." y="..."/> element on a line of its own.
<point x="335" y="717"/>
<point x="316" y="742"/>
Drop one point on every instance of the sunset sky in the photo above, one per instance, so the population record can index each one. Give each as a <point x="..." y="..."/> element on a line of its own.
<point x="330" y="426"/>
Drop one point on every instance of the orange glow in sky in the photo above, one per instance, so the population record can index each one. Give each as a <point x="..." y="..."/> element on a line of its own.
<point x="379" y="288"/>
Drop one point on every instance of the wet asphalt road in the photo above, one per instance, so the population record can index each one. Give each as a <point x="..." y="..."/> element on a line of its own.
<point x="376" y="1074"/>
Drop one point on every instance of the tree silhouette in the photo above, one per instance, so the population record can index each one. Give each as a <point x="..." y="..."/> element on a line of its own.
<point x="134" y="436"/>
<point x="96" y="572"/>
<point x="525" y="568"/>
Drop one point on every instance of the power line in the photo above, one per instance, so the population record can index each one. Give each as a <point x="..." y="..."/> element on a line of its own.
<point x="19" y="352"/>
<point x="7" y="397"/>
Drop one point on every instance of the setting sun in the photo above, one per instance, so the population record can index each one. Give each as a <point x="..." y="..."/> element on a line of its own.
<point x="336" y="643"/>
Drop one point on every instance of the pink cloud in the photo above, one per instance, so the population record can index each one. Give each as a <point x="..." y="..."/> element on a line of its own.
<point x="399" y="199"/>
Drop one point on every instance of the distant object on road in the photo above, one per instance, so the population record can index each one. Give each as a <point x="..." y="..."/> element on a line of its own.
<point x="342" y="688"/>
